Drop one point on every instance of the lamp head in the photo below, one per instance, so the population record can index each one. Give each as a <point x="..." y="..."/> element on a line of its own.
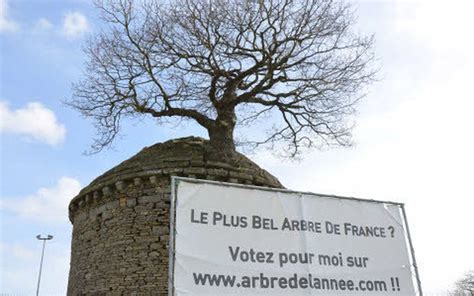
<point x="48" y="237"/>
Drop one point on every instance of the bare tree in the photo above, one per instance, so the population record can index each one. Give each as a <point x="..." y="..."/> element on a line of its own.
<point x="465" y="285"/>
<point x="223" y="62"/>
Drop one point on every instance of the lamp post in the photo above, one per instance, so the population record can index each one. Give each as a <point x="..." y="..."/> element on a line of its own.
<point x="44" y="239"/>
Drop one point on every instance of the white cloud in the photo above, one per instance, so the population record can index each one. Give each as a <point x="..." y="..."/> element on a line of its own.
<point x="6" y="24"/>
<point x="75" y="24"/>
<point x="444" y="29"/>
<point x="48" y="205"/>
<point x="43" y="24"/>
<point x="33" y="121"/>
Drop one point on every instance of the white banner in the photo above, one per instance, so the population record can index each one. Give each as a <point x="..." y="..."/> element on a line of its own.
<point x="237" y="240"/>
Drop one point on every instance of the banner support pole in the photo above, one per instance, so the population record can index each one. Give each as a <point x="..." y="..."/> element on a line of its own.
<point x="171" y="241"/>
<point x="412" y="251"/>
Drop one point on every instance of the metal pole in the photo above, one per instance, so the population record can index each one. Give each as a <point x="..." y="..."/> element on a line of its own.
<point x="412" y="251"/>
<point x="44" y="239"/>
<point x="172" y="257"/>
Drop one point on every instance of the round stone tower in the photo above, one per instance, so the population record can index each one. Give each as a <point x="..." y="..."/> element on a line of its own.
<point x="121" y="220"/>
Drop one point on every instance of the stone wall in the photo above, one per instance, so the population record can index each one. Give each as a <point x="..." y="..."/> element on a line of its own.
<point x="121" y="220"/>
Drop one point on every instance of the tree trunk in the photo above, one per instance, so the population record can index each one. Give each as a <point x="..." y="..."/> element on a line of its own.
<point x="221" y="135"/>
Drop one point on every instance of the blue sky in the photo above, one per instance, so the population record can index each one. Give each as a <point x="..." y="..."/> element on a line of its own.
<point x="413" y="138"/>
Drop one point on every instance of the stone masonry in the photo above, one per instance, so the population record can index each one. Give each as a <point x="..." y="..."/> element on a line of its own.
<point x="121" y="220"/>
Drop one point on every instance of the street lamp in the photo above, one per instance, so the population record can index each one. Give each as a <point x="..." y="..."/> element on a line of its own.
<point x="44" y="239"/>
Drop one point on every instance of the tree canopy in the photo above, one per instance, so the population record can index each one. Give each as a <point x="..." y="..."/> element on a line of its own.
<point x="465" y="285"/>
<point x="226" y="62"/>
